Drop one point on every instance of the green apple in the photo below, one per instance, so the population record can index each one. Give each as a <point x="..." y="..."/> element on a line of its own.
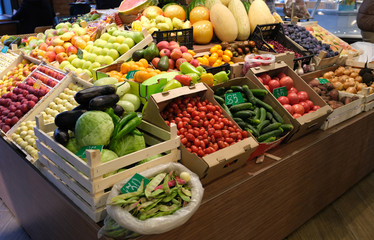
<point x="113" y="53"/>
<point x="72" y="57"/>
<point x="78" y="70"/>
<point x="88" y="48"/>
<point x="130" y="43"/>
<point x="112" y="39"/>
<point x="120" y="39"/>
<point x="105" y="36"/>
<point x="100" y="59"/>
<point x="86" y="65"/>
<point x="90" y="43"/>
<point x="63" y="64"/>
<point x="123" y="48"/>
<point x="71" y="67"/>
<point x="109" y="45"/>
<point x="91" y="57"/>
<point x="77" y="63"/>
<point x="112" y="29"/>
<point x="104" y="51"/>
<point x="125" y="34"/>
<point x="137" y="36"/>
<point x="94" y="66"/>
<point x="88" y="72"/>
<point x="96" y="50"/>
<point x="116" y="45"/>
<point x="108" y="60"/>
<point x="116" y="33"/>
<point x="100" y="43"/>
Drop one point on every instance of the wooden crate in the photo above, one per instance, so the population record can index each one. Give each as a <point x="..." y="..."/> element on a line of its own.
<point x="83" y="182"/>
<point x="42" y="105"/>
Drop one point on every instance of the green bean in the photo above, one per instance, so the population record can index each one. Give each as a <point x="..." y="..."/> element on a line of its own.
<point x="128" y="195"/>
<point x="165" y="185"/>
<point x="172" y="195"/>
<point x="153" y="184"/>
<point x="165" y="208"/>
<point x="186" y="192"/>
<point x="183" y="196"/>
<point x="157" y="192"/>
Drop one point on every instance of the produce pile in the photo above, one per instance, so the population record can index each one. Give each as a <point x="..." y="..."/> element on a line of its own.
<point x="296" y="102"/>
<point x="253" y="114"/>
<point x="15" y="76"/>
<point x="6" y="59"/>
<point x="163" y="195"/>
<point x="202" y="127"/>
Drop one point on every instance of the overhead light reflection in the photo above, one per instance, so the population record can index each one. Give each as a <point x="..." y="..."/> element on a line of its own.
<point x="320" y="13"/>
<point x="353" y="22"/>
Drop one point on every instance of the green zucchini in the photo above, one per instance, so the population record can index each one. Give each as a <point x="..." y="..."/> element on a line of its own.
<point x="224" y="106"/>
<point x="287" y="127"/>
<point x="220" y="91"/>
<point x="253" y="130"/>
<point x="270" y="139"/>
<point x="237" y="88"/>
<point x="262" y="114"/>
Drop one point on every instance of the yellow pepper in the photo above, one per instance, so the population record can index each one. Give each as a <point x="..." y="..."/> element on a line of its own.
<point x="207" y="78"/>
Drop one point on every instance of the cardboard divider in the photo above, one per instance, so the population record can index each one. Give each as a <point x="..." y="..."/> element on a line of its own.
<point x="213" y="165"/>
<point x="308" y="122"/>
<point x="269" y="99"/>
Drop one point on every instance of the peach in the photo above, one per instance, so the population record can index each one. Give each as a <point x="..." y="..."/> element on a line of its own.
<point x="184" y="49"/>
<point x="155" y="61"/>
<point x="187" y="56"/>
<point x="175" y="54"/>
<point x="195" y="62"/>
<point x="162" y="45"/>
<point x="171" y="63"/>
<point x="43" y="46"/>
<point x="62" y="56"/>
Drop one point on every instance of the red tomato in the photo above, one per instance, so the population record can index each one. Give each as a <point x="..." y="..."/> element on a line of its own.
<point x="262" y="81"/>
<point x="276" y="78"/>
<point x="289" y="108"/>
<point x="303" y="96"/>
<point x="283" y="100"/>
<point x="286" y="82"/>
<point x="265" y="78"/>
<point x="296" y="115"/>
<point x="280" y="75"/>
<point x="292" y="90"/>
<point x="315" y="107"/>
<point x="273" y="84"/>
<point x="267" y="87"/>
<point x="305" y="106"/>
<point x="298" y="108"/>
<point x="310" y="103"/>
<point x="293" y="98"/>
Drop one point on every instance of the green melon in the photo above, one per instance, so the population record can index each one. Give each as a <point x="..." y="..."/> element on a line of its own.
<point x="133" y="7"/>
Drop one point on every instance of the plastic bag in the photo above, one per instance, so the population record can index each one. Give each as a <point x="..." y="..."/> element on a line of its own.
<point x="254" y="60"/>
<point x="159" y="224"/>
<point x="113" y="230"/>
<point x="300" y="9"/>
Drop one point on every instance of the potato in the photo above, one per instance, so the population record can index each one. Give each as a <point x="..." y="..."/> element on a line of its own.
<point x="334" y="95"/>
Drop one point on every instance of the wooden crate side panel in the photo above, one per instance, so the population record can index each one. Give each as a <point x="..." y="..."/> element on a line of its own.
<point x="63" y="152"/>
<point x="155" y="130"/>
<point x="83" y="180"/>
<point x="96" y="216"/>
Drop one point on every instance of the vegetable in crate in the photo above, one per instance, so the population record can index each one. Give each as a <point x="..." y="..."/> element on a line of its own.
<point x="254" y="115"/>
<point x="202" y="127"/>
<point x="163" y="195"/>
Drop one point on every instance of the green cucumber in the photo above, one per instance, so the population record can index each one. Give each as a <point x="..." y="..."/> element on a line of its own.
<point x="270" y="139"/>
<point x="224" y="106"/>
<point x="253" y="130"/>
<point x="268" y="108"/>
<point x="236" y="119"/>
<point x="253" y="121"/>
<point x="244" y="114"/>
<point x="219" y="99"/>
<point x="241" y="106"/>
<point x="249" y="94"/>
<point x="242" y="125"/>
<point x="278" y="117"/>
<point x="262" y="125"/>
<point x="257" y="113"/>
<point x="274" y="133"/>
<point x="237" y="88"/>
<point x="220" y="91"/>
<point x="262" y="114"/>
<point x="259" y="93"/>
<point x="269" y="116"/>
<point x="229" y="91"/>
<point x="287" y="127"/>
<point x="271" y="127"/>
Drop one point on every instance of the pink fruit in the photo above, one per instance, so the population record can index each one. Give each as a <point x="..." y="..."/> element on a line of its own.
<point x="162" y="45"/>
<point x="165" y="52"/>
<point x="195" y="62"/>
<point x="173" y="45"/>
<point x="171" y="63"/>
<point x="30" y="104"/>
<point x="175" y="54"/>
<point x="183" y="49"/>
<point x="155" y="61"/>
<point x="18" y="113"/>
<point x="187" y="56"/>
<point x="5" y="128"/>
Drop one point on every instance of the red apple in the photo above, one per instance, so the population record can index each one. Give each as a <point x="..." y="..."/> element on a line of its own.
<point x="50" y="56"/>
<point x="62" y="56"/>
<point x="71" y="50"/>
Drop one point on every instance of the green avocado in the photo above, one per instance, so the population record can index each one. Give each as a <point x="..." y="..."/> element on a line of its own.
<point x="138" y="54"/>
<point x="151" y="52"/>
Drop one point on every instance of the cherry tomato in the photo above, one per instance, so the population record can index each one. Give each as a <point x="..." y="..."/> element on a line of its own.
<point x="190" y="137"/>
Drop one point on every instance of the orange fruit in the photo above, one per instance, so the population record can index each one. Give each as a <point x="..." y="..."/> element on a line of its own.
<point x="175" y="10"/>
<point x="152" y="11"/>
<point x="202" y="32"/>
<point x="199" y="13"/>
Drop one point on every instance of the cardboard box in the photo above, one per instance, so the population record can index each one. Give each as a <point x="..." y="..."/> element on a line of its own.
<point x="342" y="113"/>
<point x="269" y="99"/>
<point x="308" y="122"/>
<point x="215" y="164"/>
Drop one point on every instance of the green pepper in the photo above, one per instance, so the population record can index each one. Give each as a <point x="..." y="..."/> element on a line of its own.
<point x="195" y="77"/>
<point x="129" y="127"/>
<point x="114" y="117"/>
<point x="201" y="69"/>
<point x="221" y="76"/>
<point x="187" y="67"/>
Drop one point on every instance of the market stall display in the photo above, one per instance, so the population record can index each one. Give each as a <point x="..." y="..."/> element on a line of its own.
<point x="137" y="95"/>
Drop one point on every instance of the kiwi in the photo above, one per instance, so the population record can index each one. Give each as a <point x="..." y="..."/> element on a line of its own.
<point x="234" y="46"/>
<point x="235" y="53"/>
<point x="225" y="45"/>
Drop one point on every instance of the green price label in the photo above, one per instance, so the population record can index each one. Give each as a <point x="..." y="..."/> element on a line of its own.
<point x="101" y="75"/>
<point x="233" y="98"/>
<point x="133" y="184"/>
<point x="278" y="92"/>
<point x="82" y="152"/>
<point x="5" y="49"/>
<point x="130" y="75"/>
<point x="80" y="53"/>
<point x="323" y="80"/>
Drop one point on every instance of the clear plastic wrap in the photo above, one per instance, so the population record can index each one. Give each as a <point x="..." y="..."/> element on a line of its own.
<point x="255" y="60"/>
<point x="159" y="224"/>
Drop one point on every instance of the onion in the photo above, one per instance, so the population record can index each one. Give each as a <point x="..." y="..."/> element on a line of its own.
<point x="338" y="86"/>
<point x="358" y="79"/>
<point x="347" y="72"/>
<point x="351" y="90"/>
<point x="328" y="75"/>
<point x="344" y="78"/>
<point x="360" y="86"/>
<point x="349" y="83"/>
<point x="353" y="75"/>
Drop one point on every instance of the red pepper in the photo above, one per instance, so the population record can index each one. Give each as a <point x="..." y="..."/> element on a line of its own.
<point x="185" y="80"/>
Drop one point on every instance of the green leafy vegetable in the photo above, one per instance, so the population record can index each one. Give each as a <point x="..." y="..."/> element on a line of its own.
<point x="127" y="144"/>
